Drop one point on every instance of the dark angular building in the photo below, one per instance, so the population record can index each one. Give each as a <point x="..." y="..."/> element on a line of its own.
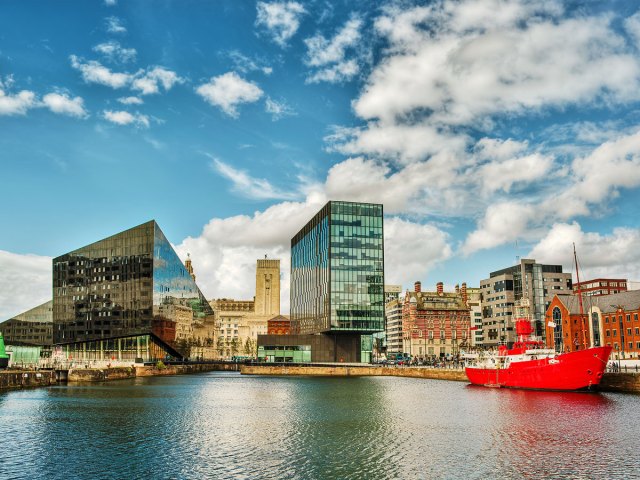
<point x="337" y="284"/>
<point x="31" y="328"/>
<point x="127" y="297"/>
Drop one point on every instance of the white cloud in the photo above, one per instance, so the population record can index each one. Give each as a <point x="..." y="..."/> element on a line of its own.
<point x="114" y="25"/>
<point x="17" y="104"/>
<point x="26" y="282"/>
<point x="502" y="175"/>
<point x="62" y="104"/>
<point x="502" y="223"/>
<point x="94" y="72"/>
<point x="328" y="57"/>
<point x="131" y="100"/>
<point x="110" y="3"/>
<point x="114" y="52"/>
<point x="600" y="255"/>
<point x="151" y="81"/>
<point x="244" y="64"/>
<point x="125" y="118"/>
<point x="412" y="250"/>
<point x="280" y="19"/>
<point x="228" y="91"/>
<point x="248" y="186"/>
<point x="278" y="109"/>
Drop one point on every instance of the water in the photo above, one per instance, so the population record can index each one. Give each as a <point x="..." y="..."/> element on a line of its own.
<point x="223" y="425"/>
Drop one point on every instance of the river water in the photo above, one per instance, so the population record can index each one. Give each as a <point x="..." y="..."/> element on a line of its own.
<point x="223" y="425"/>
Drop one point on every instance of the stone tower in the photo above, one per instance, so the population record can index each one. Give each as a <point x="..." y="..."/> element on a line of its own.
<point x="189" y="267"/>
<point x="267" y="287"/>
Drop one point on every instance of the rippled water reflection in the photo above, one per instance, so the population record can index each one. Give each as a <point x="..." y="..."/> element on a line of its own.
<point x="222" y="425"/>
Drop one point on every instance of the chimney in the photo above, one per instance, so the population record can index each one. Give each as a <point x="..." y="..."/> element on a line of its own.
<point x="417" y="287"/>
<point x="440" y="288"/>
<point x="457" y="288"/>
<point x="463" y="290"/>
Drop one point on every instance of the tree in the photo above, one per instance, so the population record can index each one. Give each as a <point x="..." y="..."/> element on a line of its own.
<point x="235" y="345"/>
<point x="250" y="347"/>
<point x="220" y="346"/>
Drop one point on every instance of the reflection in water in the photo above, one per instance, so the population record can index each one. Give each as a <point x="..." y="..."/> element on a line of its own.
<point x="223" y="425"/>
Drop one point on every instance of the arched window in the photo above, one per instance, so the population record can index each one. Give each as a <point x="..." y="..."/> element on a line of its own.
<point x="557" y="331"/>
<point x="595" y="325"/>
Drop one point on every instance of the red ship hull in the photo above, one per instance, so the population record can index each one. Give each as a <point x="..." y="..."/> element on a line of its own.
<point x="579" y="370"/>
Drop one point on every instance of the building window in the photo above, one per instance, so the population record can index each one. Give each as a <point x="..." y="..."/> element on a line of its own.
<point x="557" y="330"/>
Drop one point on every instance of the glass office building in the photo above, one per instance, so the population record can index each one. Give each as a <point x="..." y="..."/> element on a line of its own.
<point x="127" y="297"/>
<point x="337" y="273"/>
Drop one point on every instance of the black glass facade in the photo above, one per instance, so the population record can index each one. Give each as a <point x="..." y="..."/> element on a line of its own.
<point x="337" y="270"/>
<point x="126" y="297"/>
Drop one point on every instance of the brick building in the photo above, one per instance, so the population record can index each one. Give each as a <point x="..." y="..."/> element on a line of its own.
<point x="609" y="320"/>
<point x="436" y="324"/>
<point x="601" y="286"/>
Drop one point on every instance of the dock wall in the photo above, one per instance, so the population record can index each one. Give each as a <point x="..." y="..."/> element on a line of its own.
<point x="11" y="379"/>
<point x="355" y="371"/>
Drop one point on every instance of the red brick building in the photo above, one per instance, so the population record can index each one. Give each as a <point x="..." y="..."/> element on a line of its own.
<point x="567" y="330"/>
<point x="279" y="325"/>
<point x="609" y="320"/>
<point x="436" y="324"/>
<point x="601" y="286"/>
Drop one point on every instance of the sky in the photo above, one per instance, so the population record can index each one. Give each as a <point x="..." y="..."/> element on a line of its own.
<point x="490" y="130"/>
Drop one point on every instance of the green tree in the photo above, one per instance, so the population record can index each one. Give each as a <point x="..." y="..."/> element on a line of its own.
<point x="250" y="347"/>
<point x="220" y="346"/>
<point x="235" y="346"/>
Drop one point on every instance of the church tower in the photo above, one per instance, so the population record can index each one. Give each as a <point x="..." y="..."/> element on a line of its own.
<point x="189" y="267"/>
<point x="267" y="300"/>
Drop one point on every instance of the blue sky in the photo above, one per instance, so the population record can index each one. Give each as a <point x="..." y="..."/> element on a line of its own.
<point x="489" y="130"/>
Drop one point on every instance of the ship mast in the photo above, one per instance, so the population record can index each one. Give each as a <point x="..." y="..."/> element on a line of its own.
<point x="579" y="292"/>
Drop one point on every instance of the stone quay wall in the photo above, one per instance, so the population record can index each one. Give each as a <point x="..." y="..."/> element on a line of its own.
<point x="355" y="371"/>
<point x="150" y="371"/>
<point x="620" y="382"/>
<point x="11" y="379"/>
<point x="100" y="374"/>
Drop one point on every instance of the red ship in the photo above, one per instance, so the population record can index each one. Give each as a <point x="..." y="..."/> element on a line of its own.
<point x="530" y="365"/>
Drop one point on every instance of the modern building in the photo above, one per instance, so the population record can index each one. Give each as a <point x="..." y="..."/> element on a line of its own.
<point x="601" y="286"/>
<point x="435" y="324"/>
<point x="391" y="293"/>
<point x="129" y="298"/>
<point x="528" y="280"/>
<point x="474" y="301"/>
<point x="337" y="285"/>
<point x="607" y="320"/>
<point x="31" y="328"/>
<point x="393" y="328"/>
<point x="239" y="322"/>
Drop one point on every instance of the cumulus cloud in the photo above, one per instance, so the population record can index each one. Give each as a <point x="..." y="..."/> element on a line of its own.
<point x="412" y="250"/>
<point x="615" y="254"/>
<point x="131" y="100"/>
<point x="228" y="91"/>
<point x="121" y="117"/>
<point x="248" y="186"/>
<point x="281" y="20"/>
<point x="146" y="81"/>
<point x="114" y="25"/>
<point x="151" y="81"/>
<point x="115" y="52"/>
<point x="63" y="104"/>
<point x="16" y="104"/>
<point x="327" y="57"/>
<point x="278" y="109"/>
<point x="94" y="72"/>
<point x="19" y="270"/>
